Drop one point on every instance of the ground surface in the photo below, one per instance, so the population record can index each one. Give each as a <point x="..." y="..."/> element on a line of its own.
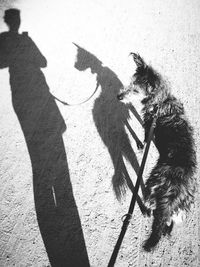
<point x="57" y="206"/>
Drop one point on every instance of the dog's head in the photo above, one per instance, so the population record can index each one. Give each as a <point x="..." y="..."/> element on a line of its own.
<point x="85" y="60"/>
<point x="144" y="80"/>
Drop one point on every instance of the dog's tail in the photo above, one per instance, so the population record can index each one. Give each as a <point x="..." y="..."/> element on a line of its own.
<point x="161" y="226"/>
<point x="171" y="189"/>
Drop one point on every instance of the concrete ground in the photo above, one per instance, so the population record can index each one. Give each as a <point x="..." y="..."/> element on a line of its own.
<point x="59" y="163"/>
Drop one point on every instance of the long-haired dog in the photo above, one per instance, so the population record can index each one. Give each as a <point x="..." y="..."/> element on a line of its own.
<point x="170" y="187"/>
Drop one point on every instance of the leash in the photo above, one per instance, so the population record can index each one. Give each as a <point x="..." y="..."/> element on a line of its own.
<point x="76" y="104"/>
<point x="127" y="217"/>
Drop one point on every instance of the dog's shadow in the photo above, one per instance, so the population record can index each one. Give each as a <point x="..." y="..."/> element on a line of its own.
<point x="110" y="118"/>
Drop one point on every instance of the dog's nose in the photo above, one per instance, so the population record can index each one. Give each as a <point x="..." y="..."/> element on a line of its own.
<point x="120" y="96"/>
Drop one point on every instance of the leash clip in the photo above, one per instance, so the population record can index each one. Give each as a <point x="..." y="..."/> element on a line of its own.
<point x="127" y="216"/>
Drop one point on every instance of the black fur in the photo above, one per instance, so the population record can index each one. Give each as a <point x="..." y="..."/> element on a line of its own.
<point x="170" y="186"/>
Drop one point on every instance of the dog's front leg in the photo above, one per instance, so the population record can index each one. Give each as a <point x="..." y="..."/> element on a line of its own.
<point x="147" y="126"/>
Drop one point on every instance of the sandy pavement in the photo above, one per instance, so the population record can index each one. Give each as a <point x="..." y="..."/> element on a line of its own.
<point x="58" y="163"/>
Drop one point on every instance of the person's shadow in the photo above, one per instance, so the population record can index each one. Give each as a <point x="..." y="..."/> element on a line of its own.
<point x="43" y="126"/>
<point x="111" y="117"/>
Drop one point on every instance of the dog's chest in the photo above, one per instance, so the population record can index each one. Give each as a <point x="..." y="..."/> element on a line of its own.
<point x="149" y="113"/>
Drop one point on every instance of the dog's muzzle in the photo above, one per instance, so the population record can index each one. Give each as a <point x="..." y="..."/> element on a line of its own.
<point x="123" y="93"/>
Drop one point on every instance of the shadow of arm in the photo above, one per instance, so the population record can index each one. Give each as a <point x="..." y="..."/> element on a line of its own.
<point x="4" y="61"/>
<point x="34" y="54"/>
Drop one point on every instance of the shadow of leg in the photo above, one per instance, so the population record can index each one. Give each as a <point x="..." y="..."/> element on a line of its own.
<point x="56" y="210"/>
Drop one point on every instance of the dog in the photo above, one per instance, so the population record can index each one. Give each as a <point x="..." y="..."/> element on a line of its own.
<point x="170" y="187"/>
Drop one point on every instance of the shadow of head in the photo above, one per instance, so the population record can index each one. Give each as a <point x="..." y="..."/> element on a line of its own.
<point x="85" y="60"/>
<point x="12" y="19"/>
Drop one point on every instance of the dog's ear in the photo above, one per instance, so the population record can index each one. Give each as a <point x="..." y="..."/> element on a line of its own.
<point x="138" y="60"/>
